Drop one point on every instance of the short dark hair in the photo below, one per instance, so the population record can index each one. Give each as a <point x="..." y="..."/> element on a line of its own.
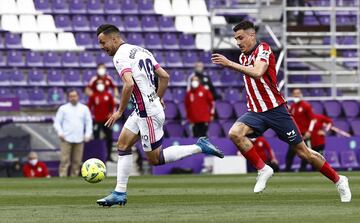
<point x="69" y="91"/>
<point x="101" y="64"/>
<point x="106" y="29"/>
<point x="245" y="25"/>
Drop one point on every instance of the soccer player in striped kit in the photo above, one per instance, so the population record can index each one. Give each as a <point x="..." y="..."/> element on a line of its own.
<point x="267" y="109"/>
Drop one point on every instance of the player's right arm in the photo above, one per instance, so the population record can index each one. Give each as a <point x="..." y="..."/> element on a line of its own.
<point x="163" y="77"/>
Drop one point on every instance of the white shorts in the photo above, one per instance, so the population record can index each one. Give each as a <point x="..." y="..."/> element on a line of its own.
<point x="150" y="128"/>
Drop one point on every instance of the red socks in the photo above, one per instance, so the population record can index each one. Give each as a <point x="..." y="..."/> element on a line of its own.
<point x="254" y="158"/>
<point x="329" y="172"/>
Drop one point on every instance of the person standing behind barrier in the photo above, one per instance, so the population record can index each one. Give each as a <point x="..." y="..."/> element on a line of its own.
<point x="73" y="125"/>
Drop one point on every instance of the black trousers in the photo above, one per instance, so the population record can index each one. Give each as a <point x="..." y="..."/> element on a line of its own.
<point x="290" y="157"/>
<point x="200" y="129"/>
<point x="98" y="127"/>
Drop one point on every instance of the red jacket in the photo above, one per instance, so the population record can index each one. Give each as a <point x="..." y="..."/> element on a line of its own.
<point x="318" y="132"/>
<point x="107" y="80"/>
<point x="39" y="170"/>
<point x="199" y="105"/>
<point x="263" y="149"/>
<point x="101" y="105"/>
<point x="303" y="114"/>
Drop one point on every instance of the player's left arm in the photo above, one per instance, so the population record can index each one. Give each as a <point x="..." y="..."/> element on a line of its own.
<point x="163" y="77"/>
<point x="257" y="71"/>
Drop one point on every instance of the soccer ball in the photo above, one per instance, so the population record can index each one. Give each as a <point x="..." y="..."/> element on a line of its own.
<point x="93" y="170"/>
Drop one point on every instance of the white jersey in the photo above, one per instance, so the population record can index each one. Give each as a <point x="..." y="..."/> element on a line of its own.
<point x="142" y="64"/>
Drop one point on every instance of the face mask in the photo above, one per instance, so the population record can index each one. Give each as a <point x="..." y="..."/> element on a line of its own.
<point x="101" y="71"/>
<point x="195" y="84"/>
<point x="33" y="162"/>
<point x="100" y="87"/>
<point x="297" y="99"/>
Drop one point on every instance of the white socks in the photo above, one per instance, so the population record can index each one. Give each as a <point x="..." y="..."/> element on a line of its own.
<point x="124" y="166"/>
<point x="174" y="153"/>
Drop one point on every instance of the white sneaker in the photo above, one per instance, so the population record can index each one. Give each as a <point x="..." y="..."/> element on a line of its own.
<point x="263" y="176"/>
<point x="343" y="188"/>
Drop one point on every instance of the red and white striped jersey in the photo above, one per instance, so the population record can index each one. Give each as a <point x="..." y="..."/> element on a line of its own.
<point x="262" y="94"/>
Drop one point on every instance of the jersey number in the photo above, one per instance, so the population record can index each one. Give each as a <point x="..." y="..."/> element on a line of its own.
<point x="149" y="69"/>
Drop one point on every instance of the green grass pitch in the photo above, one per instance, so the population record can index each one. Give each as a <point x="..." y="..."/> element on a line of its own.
<point x="290" y="198"/>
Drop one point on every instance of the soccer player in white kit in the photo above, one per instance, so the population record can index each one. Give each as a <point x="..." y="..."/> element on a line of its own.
<point x="137" y="68"/>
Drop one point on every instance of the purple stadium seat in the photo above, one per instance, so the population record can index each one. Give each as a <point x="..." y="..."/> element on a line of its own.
<point x="152" y="41"/>
<point x="17" y="78"/>
<point x="355" y="125"/>
<point x="146" y="6"/>
<point x="129" y="7"/>
<point x="332" y="158"/>
<point x="132" y="23"/>
<point x="186" y="41"/>
<point x="112" y="7"/>
<point x="348" y="159"/>
<point x="23" y="95"/>
<point x="226" y="126"/>
<point x="297" y="79"/>
<point x="174" y="129"/>
<point x="332" y="108"/>
<point x="232" y="95"/>
<point x="4" y="78"/>
<point x="189" y="58"/>
<point x="177" y="78"/>
<point x="87" y="59"/>
<point x="205" y="57"/>
<point x="116" y="20"/>
<point x="269" y="133"/>
<point x="96" y="21"/>
<point x="37" y="77"/>
<point x="317" y="106"/>
<point x="102" y="57"/>
<point x="87" y="74"/>
<point x="13" y="41"/>
<point x="317" y="92"/>
<point x="135" y="39"/>
<point x="60" y="7"/>
<point x="166" y="23"/>
<point x="37" y="96"/>
<point x="240" y="108"/>
<point x="171" y="111"/>
<point x="2" y="59"/>
<point x="173" y="59"/>
<point x="80" y="23"/>
<point x="72" y="77"/>
<point x="77" y="7"/>
<point x="52" y="59"/>
<point x="63" y="22"/>
<point x="182" y="110"/>
<point x="159" y="56"/>
<point x="351" y="108"/>
<point x="224" y="110"/>
<point x="95" y="42"/>
<point x="149" y="24"/>
<point x="179" y="95"/>
<point x="170" y="41"/>
<point x="34" y="59"/>
<point x="214" y="75"/>
<point x="314" y="79"/>
<point x="168" y="96"/>
<point x="15" y="58"/>
<point x="56" y="96"/>
<point x="6" y="93"/>
<point x="215" y="130"/>
<point x="95" y="7"/>
<point x="55" y="78"/>
<point x="2" y="44"/>
<point x="228" y="77"/>
<point x="43" y="6"/>
<point x="342" y="124"/>
<point x="84" y="39"/>
<point x="69" y="59"/>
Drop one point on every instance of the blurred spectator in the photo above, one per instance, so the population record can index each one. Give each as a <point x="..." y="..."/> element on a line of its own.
<point x="35" y="168"/>
<point x="265" y="152"/>
<point x="73" y="125"/>
<point x="102" y="76"/>
<point x="101" y="104"/>
<point x="318" y="128"/>
<point x="204" y="79"/>
<point x="199" y="105"/>
<point x="303" y="114"/>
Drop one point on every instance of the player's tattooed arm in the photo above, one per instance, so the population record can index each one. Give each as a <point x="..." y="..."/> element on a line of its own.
<point x="163" y="77"/>
<point x="255" y="71"/>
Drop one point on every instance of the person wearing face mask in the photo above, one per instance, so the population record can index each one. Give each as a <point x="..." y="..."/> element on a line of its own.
<point x="199" y="104"/>
<point x="102" y="76"/>
<point x="73" y="125"/>
<point x="35" y="168"/>
<point x="302" y="112"/>
<point x="205" y="80"/>
<point x="101" y="104"/>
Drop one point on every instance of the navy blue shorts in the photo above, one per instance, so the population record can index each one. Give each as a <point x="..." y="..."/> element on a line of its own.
<point x="277" y="119"/>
